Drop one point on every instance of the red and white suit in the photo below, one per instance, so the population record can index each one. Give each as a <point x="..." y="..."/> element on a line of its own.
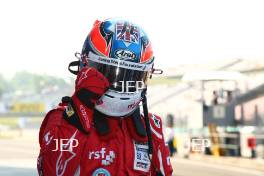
<point x="103" y="146"/>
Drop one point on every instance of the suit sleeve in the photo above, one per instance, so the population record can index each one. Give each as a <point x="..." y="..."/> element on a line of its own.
<point x="161" y="155"/>
<point x="59" y="147"/>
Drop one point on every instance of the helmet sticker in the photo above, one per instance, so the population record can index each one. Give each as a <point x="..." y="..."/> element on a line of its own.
<point x="106" y="33"/>
<point x="119" y="63"/>
<point x="127" y="32"/>
<point x="125" y="54"/>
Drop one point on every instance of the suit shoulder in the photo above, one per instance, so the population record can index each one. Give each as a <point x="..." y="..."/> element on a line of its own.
<point x="54" y="116"/>
<point x="52" y="119"/>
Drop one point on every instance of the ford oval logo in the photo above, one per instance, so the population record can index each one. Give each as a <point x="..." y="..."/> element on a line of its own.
<point x="125" y="54"/>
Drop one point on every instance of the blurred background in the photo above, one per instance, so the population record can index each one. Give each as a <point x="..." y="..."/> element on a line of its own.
<point x="211" y="95"/>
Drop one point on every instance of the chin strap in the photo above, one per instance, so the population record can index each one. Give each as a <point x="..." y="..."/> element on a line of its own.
<point x="148" y="130"/>
<point x="138" y="124"/>
<point x="101" y="123"/>
<point x="146" y="118"/>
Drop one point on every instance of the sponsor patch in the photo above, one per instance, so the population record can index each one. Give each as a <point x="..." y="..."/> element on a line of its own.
<point x="69" y="110"/>
<point x="106" y="157"/>
<point x="83" y="76"/>
<point x="85" y="115"/>
<point x="101" y="172"/>
<point x="48" y="138"/>
<point x="156" y="121"/>
<point x="141" y="160"/>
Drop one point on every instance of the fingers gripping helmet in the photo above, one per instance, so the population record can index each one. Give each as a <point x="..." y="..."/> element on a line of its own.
<point x="122" y="52"/>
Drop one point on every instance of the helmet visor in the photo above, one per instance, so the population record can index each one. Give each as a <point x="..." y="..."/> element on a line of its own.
<point x="123" y="76"/>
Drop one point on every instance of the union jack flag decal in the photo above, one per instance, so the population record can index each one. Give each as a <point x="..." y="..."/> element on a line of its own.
<point x="127" y="32"/>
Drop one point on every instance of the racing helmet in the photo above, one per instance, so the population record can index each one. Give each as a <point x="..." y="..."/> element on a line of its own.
<point x="122" y="52"/>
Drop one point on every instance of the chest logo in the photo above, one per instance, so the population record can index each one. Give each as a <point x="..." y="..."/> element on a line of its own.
<point x="141" y="161"/>
<point x="101" y="172"/>
<point x="106" y="157"/>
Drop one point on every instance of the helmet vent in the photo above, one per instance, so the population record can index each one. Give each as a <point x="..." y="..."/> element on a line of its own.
<point x="109" y="96"/>
<point x="124" y="98"/>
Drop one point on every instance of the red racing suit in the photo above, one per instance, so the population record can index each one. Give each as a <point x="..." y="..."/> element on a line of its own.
<point x="77" y="140"/>
<point x="67" y="151"/>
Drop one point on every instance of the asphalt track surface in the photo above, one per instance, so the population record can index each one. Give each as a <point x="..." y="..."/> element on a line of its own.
<point x="18" y="157"/>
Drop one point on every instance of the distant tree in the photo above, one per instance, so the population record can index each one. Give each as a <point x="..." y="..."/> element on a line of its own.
<point x="35" y="83"/>
<point x="3" y="85"/>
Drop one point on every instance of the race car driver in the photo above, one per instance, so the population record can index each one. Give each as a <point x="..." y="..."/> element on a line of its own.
<point x="100" y="130"/>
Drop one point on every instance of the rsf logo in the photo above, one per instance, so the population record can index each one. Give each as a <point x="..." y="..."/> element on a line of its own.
<point x="106" y="157"/>
<point x="125" y="54"/>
